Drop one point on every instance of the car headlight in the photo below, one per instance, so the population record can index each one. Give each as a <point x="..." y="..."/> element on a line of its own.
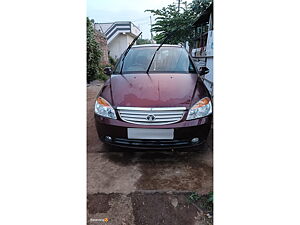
<point x="103" y="108"/>
<point x="200" y="109"/>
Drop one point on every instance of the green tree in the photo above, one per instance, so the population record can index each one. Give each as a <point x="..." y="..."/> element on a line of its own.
<point x="169" y="19"/>
<point x="141" y="41"/>
<point x="93" y="52"/>
<point x="199" y="6"/>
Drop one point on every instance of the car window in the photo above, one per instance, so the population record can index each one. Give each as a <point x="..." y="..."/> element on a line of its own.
<point x="167" y="59"/>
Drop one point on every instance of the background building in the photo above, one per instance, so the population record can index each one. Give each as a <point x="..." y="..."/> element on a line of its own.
<point x="119" y="35"/>
<point x="203" y="44"/>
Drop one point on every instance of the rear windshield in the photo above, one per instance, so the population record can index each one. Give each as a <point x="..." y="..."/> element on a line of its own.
<point x="167" y="59"/>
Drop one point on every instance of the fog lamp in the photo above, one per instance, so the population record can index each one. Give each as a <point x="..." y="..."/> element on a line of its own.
<point x="108" y="138"/>
<point x="195" y="140"/>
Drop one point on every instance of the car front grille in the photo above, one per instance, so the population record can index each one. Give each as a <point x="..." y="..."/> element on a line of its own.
<point x="151" y="116"/>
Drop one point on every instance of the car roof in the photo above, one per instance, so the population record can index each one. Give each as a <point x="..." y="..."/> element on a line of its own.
<point x="156" y="45"/>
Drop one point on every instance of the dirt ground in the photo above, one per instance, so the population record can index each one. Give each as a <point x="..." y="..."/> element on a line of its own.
<point x="144" y="188"/>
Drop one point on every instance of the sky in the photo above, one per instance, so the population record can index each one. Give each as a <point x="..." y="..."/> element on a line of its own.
<point x="103" y="11"/>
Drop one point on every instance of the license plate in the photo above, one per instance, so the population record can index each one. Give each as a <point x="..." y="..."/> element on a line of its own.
<point x="141" y="133"/>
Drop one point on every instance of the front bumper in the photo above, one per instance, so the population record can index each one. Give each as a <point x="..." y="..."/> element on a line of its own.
<point x="184" y="132"/>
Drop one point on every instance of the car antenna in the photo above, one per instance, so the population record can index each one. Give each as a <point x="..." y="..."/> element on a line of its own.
<point x="168" y="36"/>
<point x="127" y="50"/>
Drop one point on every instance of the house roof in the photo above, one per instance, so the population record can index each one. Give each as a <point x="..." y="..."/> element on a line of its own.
<point x="112" y="30"/>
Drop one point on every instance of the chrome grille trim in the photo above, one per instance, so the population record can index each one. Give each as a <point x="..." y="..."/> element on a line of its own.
<point x="156" y="109"/>
<point x="138" y="115"/>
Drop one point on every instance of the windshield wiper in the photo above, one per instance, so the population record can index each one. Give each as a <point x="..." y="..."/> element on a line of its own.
<point x="168" y="36"/>
<point x="127" y="50"/>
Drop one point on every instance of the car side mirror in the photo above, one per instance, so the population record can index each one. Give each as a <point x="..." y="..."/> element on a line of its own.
<point x="107" y="70"/>
<point x="203" y="70"/>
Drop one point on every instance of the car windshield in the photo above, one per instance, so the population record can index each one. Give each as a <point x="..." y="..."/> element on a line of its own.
<point x="167" y="59"/>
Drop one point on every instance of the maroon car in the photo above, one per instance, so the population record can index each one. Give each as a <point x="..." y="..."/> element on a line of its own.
<point x="155" y="98"/>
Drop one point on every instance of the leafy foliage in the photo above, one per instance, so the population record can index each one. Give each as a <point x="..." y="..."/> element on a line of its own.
<point x="210" y="197"/>
<point x="199" y="6"/>
<point x="112" y="61"/>
<point x="168" y="19"/>
<point x="193" y="197"/>
<point x="93" y="52"/>
<point x="205" y="202"/>
<point x="102" y="75"/>
<point x="141" y="41"/>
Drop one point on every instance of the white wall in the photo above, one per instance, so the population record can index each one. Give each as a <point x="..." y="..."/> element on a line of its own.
<point x="135" y="30"/>
<point x="209" y="77"/>
<point x="118" y="45"/>
<point x="209" y="61"/>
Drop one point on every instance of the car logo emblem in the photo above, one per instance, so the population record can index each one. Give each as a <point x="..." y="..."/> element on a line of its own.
<point x="150" y="117"/>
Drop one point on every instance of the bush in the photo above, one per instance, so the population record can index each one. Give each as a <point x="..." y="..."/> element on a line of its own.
<point x="112" y="61"/>
<point x="141" y="41"/>
<point x="93" y="53"/>
<point x="101" y="74"/>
